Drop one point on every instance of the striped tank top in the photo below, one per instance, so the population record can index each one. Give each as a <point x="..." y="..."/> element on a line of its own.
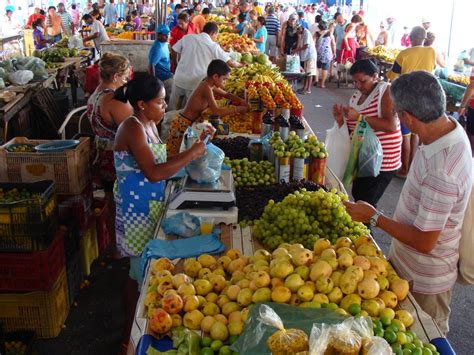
<point x="391" y="141"/>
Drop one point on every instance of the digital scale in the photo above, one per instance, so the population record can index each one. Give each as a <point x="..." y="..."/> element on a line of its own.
<point x="215" y="200"/>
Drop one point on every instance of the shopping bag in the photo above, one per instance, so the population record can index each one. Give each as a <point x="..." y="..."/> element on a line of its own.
<point x="293" y="63"/>
<point x="350" y="172"/>
<point x="370" y="154"/>
<point x="466" y="245"/>
<point x="207" y="169"/>
<point x="181" y="224"/>
<point x="338" y="146"/>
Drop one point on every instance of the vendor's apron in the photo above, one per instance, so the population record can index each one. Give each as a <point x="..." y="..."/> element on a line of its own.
<point x="139" y="202"/>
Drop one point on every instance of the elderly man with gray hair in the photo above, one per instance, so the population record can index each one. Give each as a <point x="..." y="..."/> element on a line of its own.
<point x="427" y="223"/>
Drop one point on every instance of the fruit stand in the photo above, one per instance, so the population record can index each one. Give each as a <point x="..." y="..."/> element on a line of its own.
<point x="243" y="240"/>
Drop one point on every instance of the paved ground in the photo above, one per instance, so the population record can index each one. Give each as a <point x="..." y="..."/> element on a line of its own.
<point x="94" y="326"/>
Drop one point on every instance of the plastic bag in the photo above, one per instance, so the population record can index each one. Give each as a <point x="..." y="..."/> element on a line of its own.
<point x="338" y="146"/>
<point x="371" y="345"/>
<point x="20" y="77"/>
<point x="207" y="169"/>
<point x="370" y="154"/>
<point x="353" y="161"/>
<point x="319" y="339"/>
<point x="343" y="339"/>
<point x="75" y="42"/>
<point x="283" y="341"/>
<point x="293" y="63"/>
<point x="181" y="224"/>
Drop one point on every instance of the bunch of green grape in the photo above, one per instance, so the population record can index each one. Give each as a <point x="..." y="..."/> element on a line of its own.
<point x="296" y="146"/>
<point x="304" y="217"/>
<point x="251" y="173"/>
<point x="315" y="148"/>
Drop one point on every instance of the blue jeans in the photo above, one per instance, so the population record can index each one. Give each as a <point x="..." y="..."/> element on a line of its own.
<point x="56" y="38"/>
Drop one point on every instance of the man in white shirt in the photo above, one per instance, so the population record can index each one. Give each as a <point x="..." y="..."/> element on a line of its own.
<point x="427" y="223"/>
<point x="308" y="56"/>
<point x="195" y="52"/>
<point x="98" y="32"/>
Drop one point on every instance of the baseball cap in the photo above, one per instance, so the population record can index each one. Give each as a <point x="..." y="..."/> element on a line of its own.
<point x="163" y="29"/>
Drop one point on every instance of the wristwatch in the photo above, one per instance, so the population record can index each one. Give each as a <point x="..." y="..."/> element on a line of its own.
<point x="374" y="219"/>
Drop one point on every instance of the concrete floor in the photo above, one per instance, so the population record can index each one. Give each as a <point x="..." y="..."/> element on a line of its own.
<point x="94" y="326"/>
<point x="318" y="112"/>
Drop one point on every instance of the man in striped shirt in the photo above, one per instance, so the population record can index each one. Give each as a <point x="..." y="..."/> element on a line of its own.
<point x="273" y="29"/>
<point x="66" y="19"/>
<point x="428" y="219"/>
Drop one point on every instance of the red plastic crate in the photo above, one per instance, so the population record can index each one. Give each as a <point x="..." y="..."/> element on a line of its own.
<point x="36" y="271"/>
<point x="101" y="211"/>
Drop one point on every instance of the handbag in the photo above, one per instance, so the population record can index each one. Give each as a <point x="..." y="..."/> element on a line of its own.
<point x="370" y="154"/>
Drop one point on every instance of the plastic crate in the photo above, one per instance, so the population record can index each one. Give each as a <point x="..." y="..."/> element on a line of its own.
<point x="101" y="211"/>
<point x="70" y="169"/>
<point x="41" y="311"/>
<point x="30" y="224"/>
<point x="76" y="208"/>
<point x="26" y="337"/>
<point x="89" y="249"/>
<point x="74" y="276"/>
<point x="32" y="271"/>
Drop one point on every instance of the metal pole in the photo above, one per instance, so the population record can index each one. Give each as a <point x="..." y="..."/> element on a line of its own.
<point x="451" y="27"/>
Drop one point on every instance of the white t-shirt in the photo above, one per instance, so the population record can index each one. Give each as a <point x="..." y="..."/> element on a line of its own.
<point x="196" y="52"/>
<point x="99" y="28"/>
<point x="310" y="51"/>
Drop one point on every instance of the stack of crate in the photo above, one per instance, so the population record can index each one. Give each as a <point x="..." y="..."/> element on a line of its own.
<point x="71" y="171"/>
<point x="33" y="283"/>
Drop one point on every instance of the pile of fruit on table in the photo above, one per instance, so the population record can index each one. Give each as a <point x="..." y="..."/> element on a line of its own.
<point x="215" y="294"/>
<point x="459" y="79"/>
<point x="383" y="53"/>
<point x="235" y="42"/>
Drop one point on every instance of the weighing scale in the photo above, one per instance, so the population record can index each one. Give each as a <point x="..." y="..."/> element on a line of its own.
<point x="215" y="200"/>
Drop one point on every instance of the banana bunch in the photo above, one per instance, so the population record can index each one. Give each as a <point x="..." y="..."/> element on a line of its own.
<point x="459" y="79"/>
<point x="252" y="72"/>
<point x="263" y="78"/>
<point x="383" y="53"/>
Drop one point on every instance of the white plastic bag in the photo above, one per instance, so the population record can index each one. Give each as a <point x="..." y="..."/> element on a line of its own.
<point x="293" y="63"/>
<point x="338" y="146"/>
<point x="466" y="245"/>
<point x="20" y="77"/>
<point x="319" y="339"/>
<point x="75" y="42"/>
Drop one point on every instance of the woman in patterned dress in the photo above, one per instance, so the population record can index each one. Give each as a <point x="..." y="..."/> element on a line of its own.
<point x="105" y="114"/>
<point x="142" y="169"/>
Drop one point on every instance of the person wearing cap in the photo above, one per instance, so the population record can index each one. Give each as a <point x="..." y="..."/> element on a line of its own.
<point x="301" y="20"/>
<point x="159" y="59"/>
<point x="393" y="40"/>
<point x="425" y="23"/>
<point x="289" y="35"/>
<point x="382" y="38"/>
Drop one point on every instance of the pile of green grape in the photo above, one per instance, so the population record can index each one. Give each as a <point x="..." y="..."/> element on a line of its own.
<point x="304" y="217"/>
<point x="296" y="146"/>
<point x="251" y="173"/>
<point x="315" y="148"/>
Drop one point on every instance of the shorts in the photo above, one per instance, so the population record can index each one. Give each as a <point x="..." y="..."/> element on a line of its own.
<point x="271" y="46"/>
<point x="323" y="66"/>
<point x="470" y="121"/>
<point x="310" y="67"/>
<point x="405" y="131"/>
